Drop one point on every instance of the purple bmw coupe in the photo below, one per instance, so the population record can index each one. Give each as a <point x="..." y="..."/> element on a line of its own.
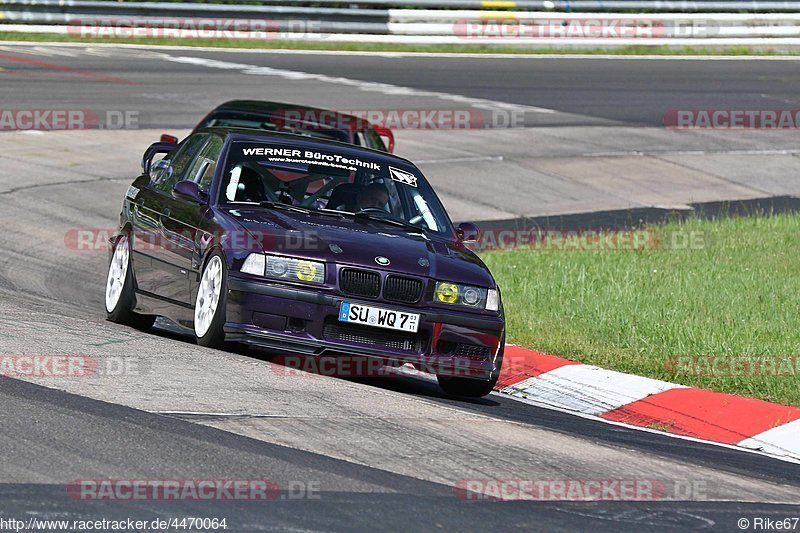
<point x="305" y="246"/>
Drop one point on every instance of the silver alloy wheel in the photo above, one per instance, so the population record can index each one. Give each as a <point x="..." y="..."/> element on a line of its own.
<point x="205" y="306"/>
<point x="117" y="271"/>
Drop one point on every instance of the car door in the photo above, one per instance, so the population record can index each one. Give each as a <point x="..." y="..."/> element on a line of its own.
<point x="183" y="240"/>
<point x="153" y="275"/>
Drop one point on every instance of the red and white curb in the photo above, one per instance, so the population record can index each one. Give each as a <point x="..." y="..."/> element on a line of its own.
<point x="637" y="401"/>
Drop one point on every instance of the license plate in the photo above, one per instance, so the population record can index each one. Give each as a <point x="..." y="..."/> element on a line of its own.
<point x="378" y="317"/>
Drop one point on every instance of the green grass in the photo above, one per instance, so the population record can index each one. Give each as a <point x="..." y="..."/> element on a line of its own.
<point x="273" y="44"/>
<point x="633" y="310"/>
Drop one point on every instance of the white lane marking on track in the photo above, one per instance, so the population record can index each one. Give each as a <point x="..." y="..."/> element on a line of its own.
<point x="368" y="86"/>
<point x="461" y="159"/>
<point x="200" y="413"/>
<point x="626" y="153"/>
<point x="449" y="55"/>
<point x="42" y="50"/>
<point x="50" y="51"/>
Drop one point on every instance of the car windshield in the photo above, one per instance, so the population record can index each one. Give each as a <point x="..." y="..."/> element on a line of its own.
<point x="386" y="190"/>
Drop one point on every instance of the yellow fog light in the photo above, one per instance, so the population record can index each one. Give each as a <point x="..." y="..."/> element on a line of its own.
<point x="306" y="271"/>
<point x="447" y="292"/>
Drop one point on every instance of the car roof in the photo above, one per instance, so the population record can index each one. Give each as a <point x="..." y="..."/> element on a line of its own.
<point x="247" y="134"/>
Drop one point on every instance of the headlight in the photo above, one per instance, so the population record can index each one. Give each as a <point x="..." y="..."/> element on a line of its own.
<point x="278" y="266"/>
<point x="456" y="294"/>
<point x="288" y="268"/>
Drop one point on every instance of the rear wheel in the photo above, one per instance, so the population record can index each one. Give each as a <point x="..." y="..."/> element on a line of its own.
<point x="209" y="307"/>
<point x="120" y="289"/>
<point x="473" y="388"/>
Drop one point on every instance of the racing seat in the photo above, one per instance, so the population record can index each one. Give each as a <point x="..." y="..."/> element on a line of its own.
<point x="250" y="188"/>
<point x="343" y="197"/>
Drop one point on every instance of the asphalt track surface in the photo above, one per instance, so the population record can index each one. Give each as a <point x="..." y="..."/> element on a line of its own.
<point x="631" y="91"/>
<point x="385" y="454"/>
<point x="635" y="92"/>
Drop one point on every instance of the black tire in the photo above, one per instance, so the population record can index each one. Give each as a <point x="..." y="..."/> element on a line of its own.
<point x="473" y="388"/>
<point x="214" y="337"/>
<point x="123" y="312"/>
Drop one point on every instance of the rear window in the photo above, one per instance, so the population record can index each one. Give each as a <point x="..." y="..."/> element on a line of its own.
<point x="265" y="122"/>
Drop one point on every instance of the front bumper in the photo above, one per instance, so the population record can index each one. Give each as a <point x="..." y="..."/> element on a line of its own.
<point x="296" y="321"/>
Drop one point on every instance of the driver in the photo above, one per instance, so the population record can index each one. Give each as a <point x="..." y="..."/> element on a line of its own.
<point x="373" y="196"/>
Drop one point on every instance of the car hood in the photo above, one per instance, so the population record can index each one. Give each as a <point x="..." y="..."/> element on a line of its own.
<point x="360" y="242"/>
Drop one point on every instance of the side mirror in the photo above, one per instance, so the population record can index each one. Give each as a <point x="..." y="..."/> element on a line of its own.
<point x="387" y="135"/>
<point x="158" y="169"/>
<point x="150" y="153"/>
<point x="167" y="138"/>
<point x="467" y="232"/>
<point x="188" y="190"/>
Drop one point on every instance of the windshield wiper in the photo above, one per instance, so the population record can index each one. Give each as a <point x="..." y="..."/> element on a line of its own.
<point x="393" y="221"/>
<point x="331" y="212"/>
<point x="285" y="207"/>
<point x="301" y="209"/>
<point x="342" y="214"/>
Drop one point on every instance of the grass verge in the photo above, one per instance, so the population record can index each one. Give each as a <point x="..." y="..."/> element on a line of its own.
<point x="735" y="296"/>
<point x="274" y="44"/>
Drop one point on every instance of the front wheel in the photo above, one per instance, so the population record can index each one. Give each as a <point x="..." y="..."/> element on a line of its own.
<point x="209" y="307"/>
<point x="120" y="289"/>
<point x="473" y="388"/>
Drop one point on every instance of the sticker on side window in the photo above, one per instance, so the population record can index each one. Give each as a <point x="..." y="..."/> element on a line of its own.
<point x="402" y="176"/>
<point x="233" y="185"/>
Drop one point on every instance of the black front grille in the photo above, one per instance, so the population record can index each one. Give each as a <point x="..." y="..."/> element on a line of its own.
<point x="461" y="349"/>
<point x="360" y="282"/>
<point x="396" y="340"/>
<point x="405" y="290"/>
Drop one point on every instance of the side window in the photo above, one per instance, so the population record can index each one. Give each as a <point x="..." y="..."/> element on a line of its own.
<point x="179" y="161"/>
<point x="203" y="167"/>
